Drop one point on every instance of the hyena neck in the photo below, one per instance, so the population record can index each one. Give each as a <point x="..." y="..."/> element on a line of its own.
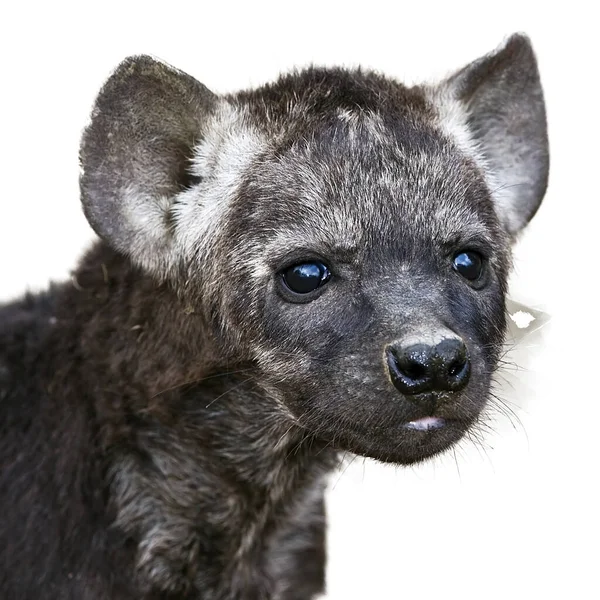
<point x="205" y="471"/>
<point x="212" y="498"/>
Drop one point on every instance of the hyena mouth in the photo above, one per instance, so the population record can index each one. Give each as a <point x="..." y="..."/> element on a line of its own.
<point x="426" y="423"/>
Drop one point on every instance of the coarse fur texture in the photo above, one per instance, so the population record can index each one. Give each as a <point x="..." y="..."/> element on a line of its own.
<point x="169" y="417"/>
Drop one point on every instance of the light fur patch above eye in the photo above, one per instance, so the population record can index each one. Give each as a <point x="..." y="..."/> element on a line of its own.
<point x="452" y="121"/>
<point x="220" y="161"/>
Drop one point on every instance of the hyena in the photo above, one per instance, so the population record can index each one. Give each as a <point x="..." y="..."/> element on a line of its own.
<point x="315" y="266"/>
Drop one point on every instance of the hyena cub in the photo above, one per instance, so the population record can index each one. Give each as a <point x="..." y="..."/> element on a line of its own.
<point x="317" y="265"/>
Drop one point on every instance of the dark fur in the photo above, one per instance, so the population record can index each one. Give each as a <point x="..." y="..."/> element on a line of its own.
<point x="168" y="417"/>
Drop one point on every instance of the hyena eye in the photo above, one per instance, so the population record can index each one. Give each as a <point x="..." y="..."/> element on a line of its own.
<point x="305" y="278"/>
<point x="469" y="264"/>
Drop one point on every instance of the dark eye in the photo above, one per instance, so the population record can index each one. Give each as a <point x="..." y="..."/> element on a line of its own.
<point x="306" y="277"/>
<point x="469" y="265"/>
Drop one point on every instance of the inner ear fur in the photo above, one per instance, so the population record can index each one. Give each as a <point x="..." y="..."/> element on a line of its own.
<point x="502" y="102"/>
<point x="135" y="156"/>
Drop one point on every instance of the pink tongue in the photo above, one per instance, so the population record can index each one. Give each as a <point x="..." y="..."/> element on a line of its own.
<point x="426" y="423"/>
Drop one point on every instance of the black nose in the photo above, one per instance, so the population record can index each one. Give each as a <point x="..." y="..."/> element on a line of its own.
<point x="421" y="368"/>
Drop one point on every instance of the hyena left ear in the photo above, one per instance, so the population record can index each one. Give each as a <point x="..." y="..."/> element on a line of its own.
<point x="495" y="108"/>
<point x="136" y="154"/>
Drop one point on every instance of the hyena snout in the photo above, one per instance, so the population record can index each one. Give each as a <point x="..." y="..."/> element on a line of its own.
<point x="421" y="367"/>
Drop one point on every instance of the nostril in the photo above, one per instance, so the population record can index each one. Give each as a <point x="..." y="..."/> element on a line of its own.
<point x="456" y="367"/>
<point x="409" y="369"/>
<point x="412" y="369"/>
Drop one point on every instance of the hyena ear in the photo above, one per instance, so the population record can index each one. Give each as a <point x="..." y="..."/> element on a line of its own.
<point x="498" y="99"/>
<point x="135" y="155"/>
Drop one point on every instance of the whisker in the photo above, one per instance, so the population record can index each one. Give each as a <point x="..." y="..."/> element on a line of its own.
<point x="199" y="380"/>
<point x="235" y="387"/>
<point x="344" y="471"/>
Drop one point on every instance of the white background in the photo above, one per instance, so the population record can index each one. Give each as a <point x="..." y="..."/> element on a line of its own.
<point x="518" y="520"/>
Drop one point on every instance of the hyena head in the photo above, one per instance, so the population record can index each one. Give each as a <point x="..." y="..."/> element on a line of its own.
<point x="347" y="236"/>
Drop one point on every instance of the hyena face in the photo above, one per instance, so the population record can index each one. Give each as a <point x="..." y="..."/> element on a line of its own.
<point x="373" y="271"/>
<point x="346" y="235"/>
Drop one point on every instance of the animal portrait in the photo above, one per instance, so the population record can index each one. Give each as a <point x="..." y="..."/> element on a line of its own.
<point x="314" y="266"/>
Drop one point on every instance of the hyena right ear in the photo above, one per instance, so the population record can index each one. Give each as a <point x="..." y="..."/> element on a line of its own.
<point x="494" y="107"/>
<point x="135" y="155"/>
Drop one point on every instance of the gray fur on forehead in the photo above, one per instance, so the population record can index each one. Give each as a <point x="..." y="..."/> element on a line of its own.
<point x="327" y="134"/>
<point x="357" y="181"/>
